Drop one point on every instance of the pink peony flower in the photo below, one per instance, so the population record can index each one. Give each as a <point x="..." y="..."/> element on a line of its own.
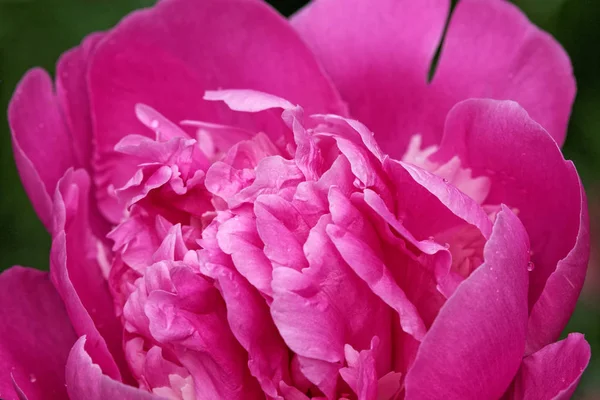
<point x="260" y="242"/>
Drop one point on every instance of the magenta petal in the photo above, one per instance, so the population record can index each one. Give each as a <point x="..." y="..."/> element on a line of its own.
<point x="554" y="371"/>
<point x="35" y="336"/>
<point x="531" y="177"/>
<point x="77" y="276"/>
<point x="376" y="53"/>
<point x="72" y="93"/>
<point x="207" y="44"/>
<point x="475" y="345"/>
<point x="493" y="51"/>
<point x="85" y="380"/>
<point x="379" y="54"/>
<point x="41" y="141"/>
<point x="554" y="307"/>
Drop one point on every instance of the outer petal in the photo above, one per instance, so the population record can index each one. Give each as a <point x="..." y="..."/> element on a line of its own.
<point x="167" y="56"/>
<point x="85" y="380"/>
<point x="532" y="177"/>
<point x="554" y="371"/>
<point x="480" y="331"/>
<point x="77" y="276"/>
<point x="493" y="51"/>
<point x="552" y="311"/>
<point x="72" y="93"/>
<point x="379" y="54"/>
<point x="35" y="336"/>
<point x="41" y="140"/>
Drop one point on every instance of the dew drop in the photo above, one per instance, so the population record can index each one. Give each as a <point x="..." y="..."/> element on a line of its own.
<point x="445" y="180"/>
<point x="530" y="266"/>
<point x="32" y="378"/>
<point x="154" y="124"/>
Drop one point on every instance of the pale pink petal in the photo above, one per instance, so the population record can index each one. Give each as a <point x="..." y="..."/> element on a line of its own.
<point x="206" y="43"/>
<point x="41" y="140"/>
<point x="85" y="380"/>
<point x="480" y="331"/>
<point x="553" y="372"/>
<point x="35" y="336"/>
<point x="531" y="177"/>
<point x="247" y="100"/>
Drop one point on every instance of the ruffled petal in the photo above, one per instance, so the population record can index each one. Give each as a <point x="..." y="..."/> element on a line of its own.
<point x="35" y="336"/>
<point x="167" y="56"/>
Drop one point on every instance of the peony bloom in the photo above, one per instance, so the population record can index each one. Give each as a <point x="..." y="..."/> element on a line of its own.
<point x="224" y="227"/>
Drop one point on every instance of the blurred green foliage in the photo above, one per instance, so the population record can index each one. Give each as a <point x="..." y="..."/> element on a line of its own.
<point x="35" y="33"/>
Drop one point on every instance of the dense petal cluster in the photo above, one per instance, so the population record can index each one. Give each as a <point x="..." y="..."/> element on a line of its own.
<point x="270" y="241"/>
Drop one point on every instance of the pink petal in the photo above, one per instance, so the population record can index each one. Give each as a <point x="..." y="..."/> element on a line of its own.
<point x="554" y="371"/>
<point x="492" y="50"/>
<point x="532" y="177"/>
<point x="282" y="230"/>
<point x="554" y="307"/>
<point x="361" y="374"/>
<point x="85" y="380"/>
<point x="250" y="321"/>
<point x="379" y="56"/>
<point x="247" y="100"/>
<point x="41" y="140"/>
<point x="72" y="93"/>
<point x="169" y="55"/>
<point x="35" y="336"/>
<point x="239" y="238"/>
<point x="475" y="345"/>
<point x="77" y="276"/>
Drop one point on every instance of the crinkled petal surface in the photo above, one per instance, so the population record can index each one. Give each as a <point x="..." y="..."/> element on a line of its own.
<point x="554" y="371"/>
<point x="379" y="55"/>
<point x="480" y="331"/>
<point x="167" y="56"/>
<point x="35" y="336"/>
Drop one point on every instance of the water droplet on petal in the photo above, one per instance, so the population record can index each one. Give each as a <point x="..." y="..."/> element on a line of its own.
<point x="154" y="124"/>
<point x="530" y="266"/>
<point x="32" y="378"/>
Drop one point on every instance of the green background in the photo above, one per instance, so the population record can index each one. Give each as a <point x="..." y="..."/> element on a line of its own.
<point x="37" y="32"/>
